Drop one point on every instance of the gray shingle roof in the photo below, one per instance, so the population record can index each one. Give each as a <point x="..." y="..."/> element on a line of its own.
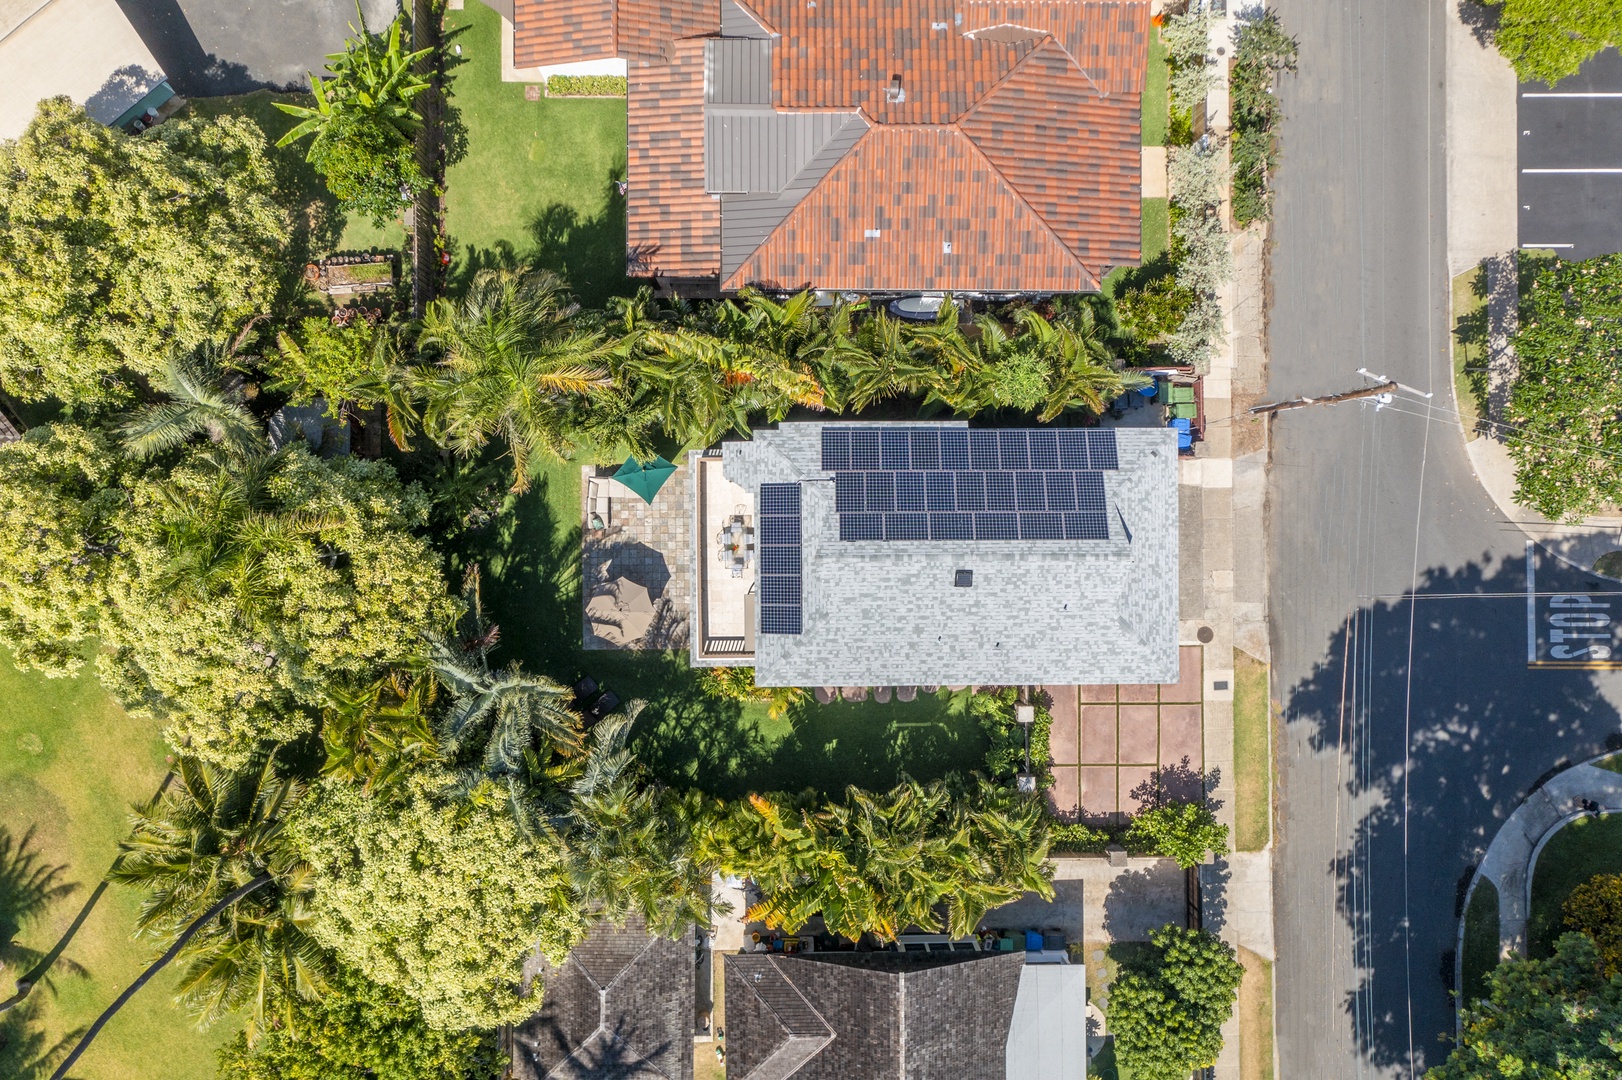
<point x="620" y="1008"/>
<point x="914" y="1019"/>
<point x="886" y="613"/>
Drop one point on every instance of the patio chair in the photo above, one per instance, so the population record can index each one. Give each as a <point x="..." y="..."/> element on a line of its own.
<point x="585" y="689"/>
<point x="605" y="705"/>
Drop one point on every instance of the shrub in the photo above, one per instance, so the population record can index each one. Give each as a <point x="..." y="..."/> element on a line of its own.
<point x="1153" y="311"/>
<point x="738" y="684"/>
<point x="1595" y="908"/>
<point x="995" y="710"/>
<point x="1262" y="49"/>
<point x="601" y="86"/>
<point x="1078" y="838"/>
<point x="1188" y="39"/>
<point x="1181" y="831"/>
<point x="1167" y="1011"/>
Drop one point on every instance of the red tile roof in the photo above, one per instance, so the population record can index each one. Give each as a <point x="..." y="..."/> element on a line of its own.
<point x="1012" y="134"/>
<point x="565" y="31"/>
<point x="915" y="207"/>
<point x="672" y="226"/>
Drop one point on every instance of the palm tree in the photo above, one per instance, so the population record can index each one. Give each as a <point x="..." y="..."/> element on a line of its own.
<point x="1082" y="371"/>
<point x="516" y="364"/>
<point x="373" y="377"/>
<point x="377" y="734"/>
<point x="199" y="404"/>
<point x="373" y="81"/>
<point x="199" y="853"/>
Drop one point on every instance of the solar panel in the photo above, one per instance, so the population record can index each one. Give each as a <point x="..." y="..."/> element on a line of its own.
<point x="774" y="499"/>
<point x="780" y="619"/>
<point x="850" y="494"/>
<point x="835" y="449"/>
<point x="1061" y="491"/>
<point x="971" y="491"/>
<point x="1041" y="527"/>
<point x="1000" y="491"/>
<point x="779" y="589"/>
<point x="909" y="482"/>
<point x="1013" y="449"/>
<point x="926" y="449"/>
<point x="864" y="450"/>
<point x="1072" y="449"/>
<point x="983" y="452"/>
<point x="996" y="527"/>
<point x="880" y="492"/>
<point x="909" y="491"/>
<point x="1044" y="449"/>
<point x="1101" y="448"/>
<point x="894" y="449"/>
<point x="951" y="526"/>
<point x="1032" y="492"/>
<point x="1090" y="492"/>
<point x="861" y="526"/>
<point x="906" y="526"/>
<point x="779" y="557"/>
<point x="1086" y="527"/>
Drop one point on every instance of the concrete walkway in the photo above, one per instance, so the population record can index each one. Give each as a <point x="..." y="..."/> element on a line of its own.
<point x="1513" y="853"/>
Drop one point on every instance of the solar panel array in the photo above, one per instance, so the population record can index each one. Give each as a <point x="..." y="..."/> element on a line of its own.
<point x="778" y="545"/>
<point x="956" y="484"/>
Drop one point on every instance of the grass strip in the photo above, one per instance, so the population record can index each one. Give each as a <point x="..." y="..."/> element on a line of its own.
<point x="1252" y="753"/>
<point x="1470" y="348"/>
<point x="1255" y="1017"/>
<point x="1585" y="847"/>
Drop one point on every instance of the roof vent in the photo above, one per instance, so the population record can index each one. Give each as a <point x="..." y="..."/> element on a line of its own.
<point x="895" y="95"/>
<point x="872" y="234"/>
<point x="963" y="579"/>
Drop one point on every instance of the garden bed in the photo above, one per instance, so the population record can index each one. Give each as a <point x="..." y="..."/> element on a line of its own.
<point x="585" y="86"/>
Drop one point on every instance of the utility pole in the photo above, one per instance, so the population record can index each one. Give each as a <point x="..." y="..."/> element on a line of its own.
<point x="1332" y="399"/>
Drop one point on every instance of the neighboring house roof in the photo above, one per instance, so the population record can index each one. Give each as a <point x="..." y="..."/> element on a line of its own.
<point x="1071" y="536"/>
<point x="1044" y="1040"/>
<point x="872" y="145"/>
<point x="83" y="49"/>
<point x="869" y="1016"/>
<point x="620" y="1008"/>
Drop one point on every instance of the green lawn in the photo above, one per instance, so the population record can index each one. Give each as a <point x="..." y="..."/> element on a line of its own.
<point x="531" y="559"/>
<point x="1252" y="753"/>
<point x="1588" y="846"/>
<point x="71" y="763"/>
<point x="1481" y="938"/>
<point x="1156" y="103"/>
<point x="1156" y="228"/>
<point x="537" y="183"/>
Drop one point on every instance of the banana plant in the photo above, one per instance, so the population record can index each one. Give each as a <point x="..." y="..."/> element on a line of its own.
<point x="373" y="79"/>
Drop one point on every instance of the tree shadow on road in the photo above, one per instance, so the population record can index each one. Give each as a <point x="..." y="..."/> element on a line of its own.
<point x="1443" y="758"/>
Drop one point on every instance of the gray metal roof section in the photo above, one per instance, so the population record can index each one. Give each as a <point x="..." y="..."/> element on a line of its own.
<point x="1061" y="611"/>
<point x="755" y="149"/>
<point x="747" y="220"/>
<point x="1045" y="1042"/>
<point x="737" y="21"/>
<point x="738" y="71"/>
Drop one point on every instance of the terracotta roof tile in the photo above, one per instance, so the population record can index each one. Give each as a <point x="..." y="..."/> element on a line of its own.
<point x="672" y="227"/>
<point x="1071" y="154"/>
<point x="914" y="208"/>
<point x="562" y="31"/>
<point x="1108" y="39"/>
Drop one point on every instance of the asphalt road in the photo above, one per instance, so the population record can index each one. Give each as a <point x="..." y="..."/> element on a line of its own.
<point x="1411" y="728"/>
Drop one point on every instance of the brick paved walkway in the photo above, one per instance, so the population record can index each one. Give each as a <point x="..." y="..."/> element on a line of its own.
<point x="1107" y="741"/>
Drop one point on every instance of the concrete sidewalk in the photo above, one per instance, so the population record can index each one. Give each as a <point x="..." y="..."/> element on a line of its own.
<point x="1512" y="856"/>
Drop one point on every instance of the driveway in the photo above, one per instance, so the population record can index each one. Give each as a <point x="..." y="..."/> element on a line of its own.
<point x="212" y="47"/>
<point x="1571" y="161"/>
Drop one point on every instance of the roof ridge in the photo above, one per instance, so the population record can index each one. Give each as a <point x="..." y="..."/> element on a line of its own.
<point x="777" y="965"/>
<point x="1053" y="233"/>
<point x="754" y="13"/>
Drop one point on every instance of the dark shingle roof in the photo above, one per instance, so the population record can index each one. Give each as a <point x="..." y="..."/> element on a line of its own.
<point x="620" y="1008"/>
<point x="956" y="1012"/>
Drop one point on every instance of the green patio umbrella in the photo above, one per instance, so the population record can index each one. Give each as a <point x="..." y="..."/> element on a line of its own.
<point x="645" y="480"/>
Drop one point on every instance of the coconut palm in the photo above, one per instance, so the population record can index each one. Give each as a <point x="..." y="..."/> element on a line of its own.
<point x="199" y="404"/>
<point x="516" y="363"/>
<point x="223" y="883"/>
<point x="373" y="80"/>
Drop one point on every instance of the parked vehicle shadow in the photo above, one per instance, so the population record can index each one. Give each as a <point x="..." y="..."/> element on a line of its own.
<point x="1440" y="751"/>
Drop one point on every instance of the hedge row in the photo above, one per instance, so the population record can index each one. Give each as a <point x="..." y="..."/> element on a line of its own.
<point x="585" y="86"/>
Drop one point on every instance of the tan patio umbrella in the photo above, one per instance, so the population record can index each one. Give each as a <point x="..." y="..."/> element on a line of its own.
<point x="621" y="612"/>
<point x="630" y="596"/>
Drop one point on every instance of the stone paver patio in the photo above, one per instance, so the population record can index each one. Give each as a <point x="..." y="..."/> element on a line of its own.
<point x="1109" y="741"/>
<point x="649" y="544"/>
